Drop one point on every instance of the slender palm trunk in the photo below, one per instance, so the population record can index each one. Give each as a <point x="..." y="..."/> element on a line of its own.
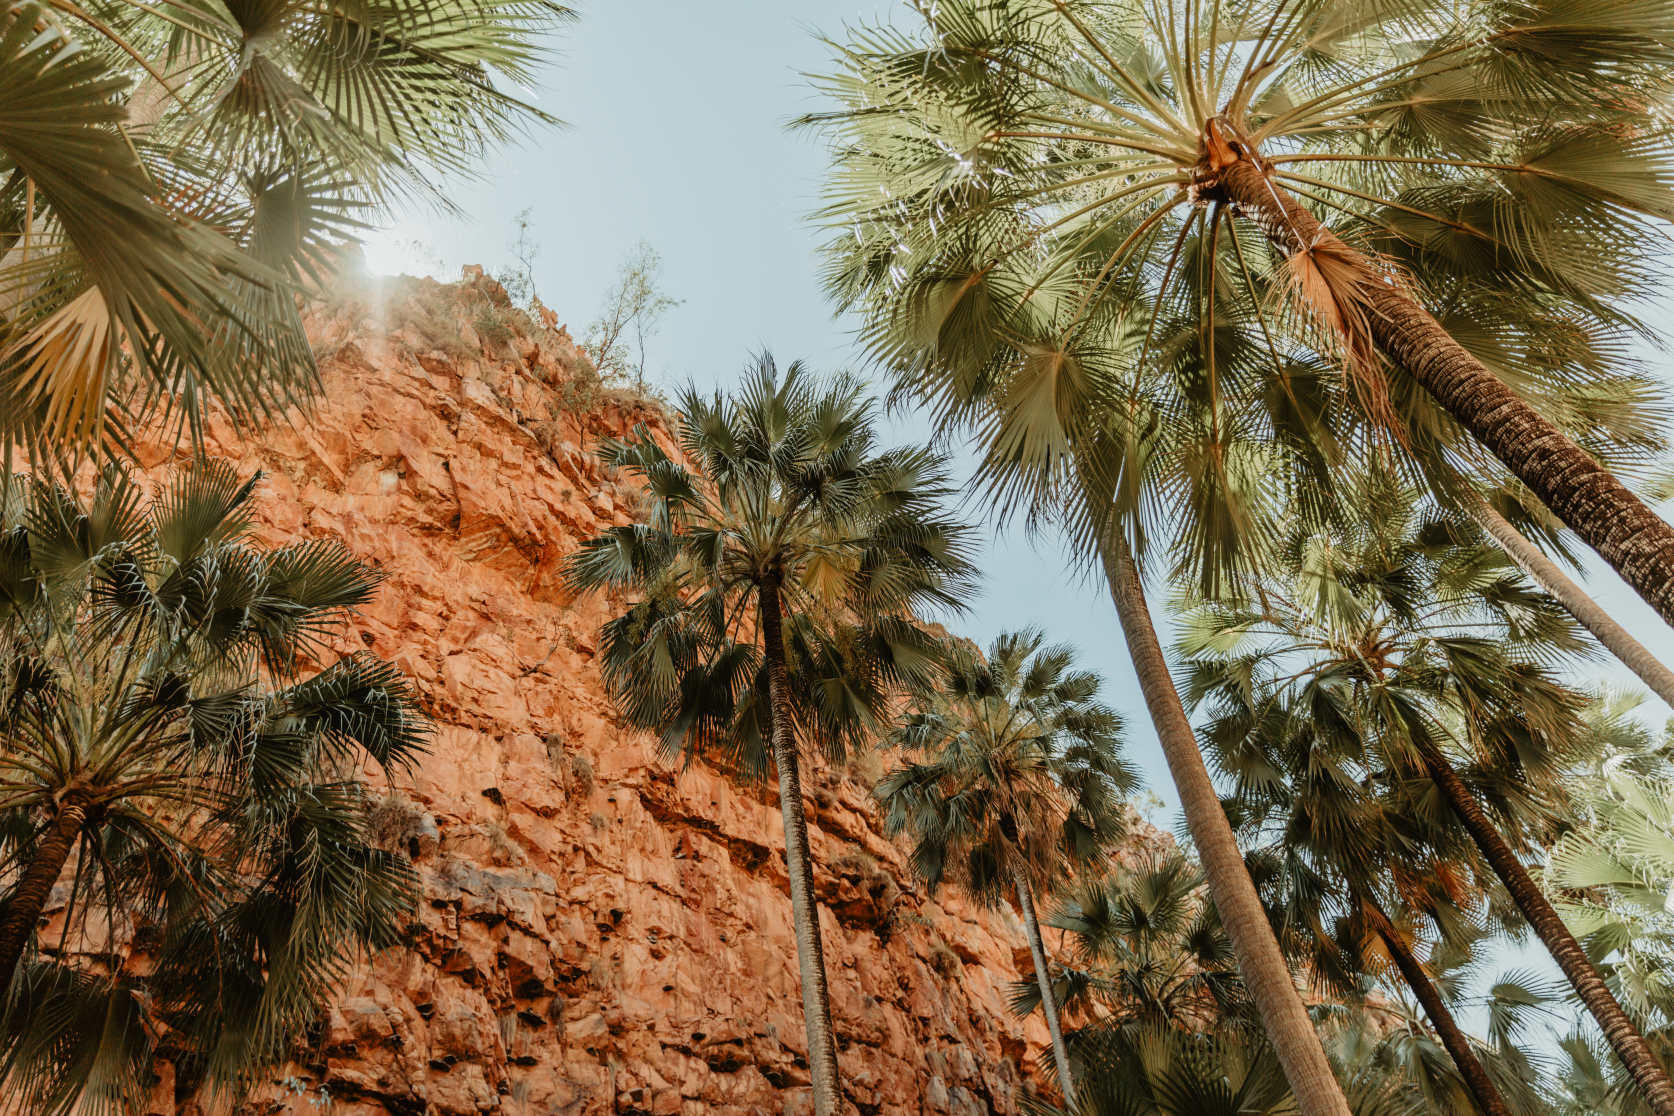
<point x="1549" y="577"/>
<point x="810" y="953"/>
<point x="1636" y="542"/>
<point x="1487" y="1097"/>
<point x="1263" y="967"/>
<point x="1043" y="977"/>
<point x="24" y="907"/>
<point x="1619" y="1031"/>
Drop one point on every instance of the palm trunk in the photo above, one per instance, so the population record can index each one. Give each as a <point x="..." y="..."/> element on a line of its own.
<point x="1043" y="977"/>
<point x="27" y="900"/>
<point x="810" y="954"/>
<point x="1636" y="542"/>
<point x="1619" y="1031"/>
<point x="1263" y="967"/>
<point x="1549" y="577"/>
<point x="1487" y="1097"/>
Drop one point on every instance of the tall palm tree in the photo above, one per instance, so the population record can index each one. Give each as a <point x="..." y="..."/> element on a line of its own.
<point x="1408" y="641"/>
<point x="157" y="743"/>
<point x="1022" y="779"/>
<point x="171" y="176"/>
<point x="1006" y="173"/>
<point x="791" y="538"/>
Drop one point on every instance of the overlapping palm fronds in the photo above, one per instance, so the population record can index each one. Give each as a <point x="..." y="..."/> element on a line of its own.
<point x="171" y="177"/>
<point x="1150" y="949"/>
<point x="1259" y="211"/>
<point x="1610" y="876"/>
<point x="160" y="747"/>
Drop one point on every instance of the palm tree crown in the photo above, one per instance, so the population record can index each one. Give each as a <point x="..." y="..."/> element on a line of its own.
<point x="1024" y="192"/>
<point x="791" y="492"/>
<point x="1023" y="770"/>
<point x="1152" y="947"/>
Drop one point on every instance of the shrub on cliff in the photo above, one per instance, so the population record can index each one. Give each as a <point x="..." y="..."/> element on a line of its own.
<point x="166" y="773"/>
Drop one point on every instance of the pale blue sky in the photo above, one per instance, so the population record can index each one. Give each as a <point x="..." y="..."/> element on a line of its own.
<point x="678" y="137"/>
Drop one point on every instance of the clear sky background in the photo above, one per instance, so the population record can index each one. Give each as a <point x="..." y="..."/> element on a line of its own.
<point x="677" y="136"/>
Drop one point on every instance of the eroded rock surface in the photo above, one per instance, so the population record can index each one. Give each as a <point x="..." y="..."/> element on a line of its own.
<point x="598" y="933"/>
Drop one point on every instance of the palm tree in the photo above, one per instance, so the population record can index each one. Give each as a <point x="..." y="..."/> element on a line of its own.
<point x="1405" y="639"/>
<point x="174" y="175"/>
<point x="794" y="540"/>
<point x="1154" y="949"/>
<point x="157" y="743"/>
<point x="1022" y="778"/>
<point x="1005" y="174"/>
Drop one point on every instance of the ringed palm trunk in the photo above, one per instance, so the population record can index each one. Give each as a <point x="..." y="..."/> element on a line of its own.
<point x="1636" y="542"/>
<point x="1263" y="967"/>
<point x="1615" y="638"/>
<point x="1624" y="1038"/>
<point x="1482" y="1089"/>
<point x="810" y="953"/>
<point x="30" y="896"/>
<point x="1037" y="950"/>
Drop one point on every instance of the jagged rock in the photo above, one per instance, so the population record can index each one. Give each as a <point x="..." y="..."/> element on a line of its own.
<point x="599" y="934"/>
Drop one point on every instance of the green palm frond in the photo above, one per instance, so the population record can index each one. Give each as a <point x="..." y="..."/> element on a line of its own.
<point x="1611" y="877"/>
<point x="218" y="835"/>
<point x="1023" y="209"/>
<point x="75" y="1041"/>
<point x="175" y="177"/>
<point x="1022" y="770"/>
<point x="783" y="480"/>
<point x="1155" y="950"/>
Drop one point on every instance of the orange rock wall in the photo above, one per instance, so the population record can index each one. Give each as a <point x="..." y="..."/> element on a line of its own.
<point x="598" y="933"/>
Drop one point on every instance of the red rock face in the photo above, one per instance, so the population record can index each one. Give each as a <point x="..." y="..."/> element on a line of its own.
<point x="598" y="933"/>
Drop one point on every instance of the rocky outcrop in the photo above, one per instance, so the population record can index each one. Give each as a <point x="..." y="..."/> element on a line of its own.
<point x="598" y="932"/>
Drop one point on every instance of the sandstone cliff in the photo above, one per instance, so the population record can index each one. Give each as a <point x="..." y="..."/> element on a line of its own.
<point x="597" y="933"/>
